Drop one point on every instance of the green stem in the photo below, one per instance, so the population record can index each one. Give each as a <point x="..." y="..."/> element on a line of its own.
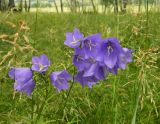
<point x="32" y="105"/>
<point x="35" y="30"/>
<point x="46" y="96"/>
<point x="114" y="105"/>
<point x="73" y="81"/>
<point x="118" y="22"/>
<point x="40" y="111"/>
<point x="68" y="94"/>
<point x="46" y="85"/>
<point x="135" y="110"/>
<point x="46" y="90"/>
<point x="147" y="21"/>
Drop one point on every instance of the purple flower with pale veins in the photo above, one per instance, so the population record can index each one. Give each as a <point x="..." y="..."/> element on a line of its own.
<point x="74" y="39"/>
<point x="40" y="64"/>
<point x="23" y="80"/>
<point x="79" y="60"/>
<point x="95" y="57"/>
<point x="60" y="80"/>
<point x="109" y="52"/>
<point x="90" y="45"/>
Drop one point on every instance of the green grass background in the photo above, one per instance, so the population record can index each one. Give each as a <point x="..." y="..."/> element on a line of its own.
<point x="119" y="99"/>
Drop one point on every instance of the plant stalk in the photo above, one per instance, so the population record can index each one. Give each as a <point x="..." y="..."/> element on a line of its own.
<point x="68" y="94"/>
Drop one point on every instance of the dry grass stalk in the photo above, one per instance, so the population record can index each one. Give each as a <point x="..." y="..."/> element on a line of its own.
<point x="146" y="60"/>
<point x="14" y="41"/>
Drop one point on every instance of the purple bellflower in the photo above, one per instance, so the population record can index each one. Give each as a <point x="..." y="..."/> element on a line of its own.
<point x="74" y="39"/>
<point x="60" y="80"/>
<point x="40" y="64"/>
<point x="90" y="45"/>
<point x="23" y="80"/>
<point x="109" y="52"/>
<point x="85" y="80"/>
<point x="90" y="65"/>
<point x="124" y="58"/>
<point x="95" y="57"/>
<point x="97" y="70"/>
<point x="79" y="60"/>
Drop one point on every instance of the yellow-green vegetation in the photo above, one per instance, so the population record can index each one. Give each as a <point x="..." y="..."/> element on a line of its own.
<point x="133" y="96"/>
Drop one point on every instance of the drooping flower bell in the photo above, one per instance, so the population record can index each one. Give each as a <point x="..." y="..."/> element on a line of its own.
<point x="109" y="52"/>
<point x="85" y="80"/>
<point x="124" y="58"/>
<point x="60" y="79"/>
<point x="40" y="64"/>
<point x="74" y="39"/>
<point x="97" y="70"/>
<point x="79" y="59"/>
<point x="23" y="80"/>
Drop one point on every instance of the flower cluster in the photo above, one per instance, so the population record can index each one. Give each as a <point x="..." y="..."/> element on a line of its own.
<point x="96" y="57"/>
<point x="24" y="76"/>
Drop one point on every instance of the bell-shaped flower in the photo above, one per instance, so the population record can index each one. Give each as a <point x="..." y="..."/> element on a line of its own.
<point x="90" y="45"/>
<point x="23" y="80"/>
<point x="79" y="59"/>
<point x="74" y="39"/>
<point x="124" y="57"/>
<point x="97" y="70"/>
<point x="60" y="80"/>
<point x="109" y="52"/>
<point x="40" y="64"/>
<point x="85" y="80"/>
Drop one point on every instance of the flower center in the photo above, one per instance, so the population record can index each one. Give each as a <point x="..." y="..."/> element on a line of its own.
<point x="109" y="48"/>
<point x="74" y="40"/>
<point x="59" y="79"/>
<point x="78" y="58"/>
<point x="93" y="61"/>
<point x="89" y="44"/>
<point x="41" y="67"/>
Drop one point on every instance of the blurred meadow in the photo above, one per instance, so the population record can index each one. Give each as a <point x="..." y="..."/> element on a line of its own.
<point x="130" y="97"/>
